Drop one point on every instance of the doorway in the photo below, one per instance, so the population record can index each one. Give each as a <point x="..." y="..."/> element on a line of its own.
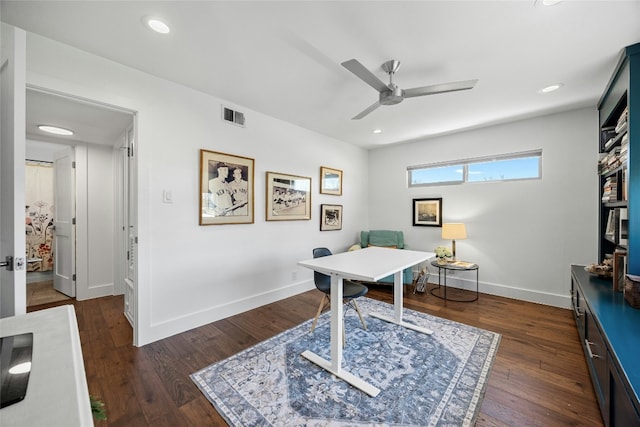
<point x="102" y="135"/>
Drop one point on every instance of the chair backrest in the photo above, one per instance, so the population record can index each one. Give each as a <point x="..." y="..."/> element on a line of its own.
<point x="388" y="238"/>
<point x="322" y="281"/>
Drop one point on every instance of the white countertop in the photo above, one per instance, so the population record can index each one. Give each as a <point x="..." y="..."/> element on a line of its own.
<point x="57" y="394"/>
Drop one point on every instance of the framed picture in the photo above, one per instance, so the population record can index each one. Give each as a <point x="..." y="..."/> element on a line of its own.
<point x="330" y="181"/>
<point x="226" y="189"/>
<point x="427" y="212"/>
<point x="288" y="197"/>
<point x="330" y="217"/>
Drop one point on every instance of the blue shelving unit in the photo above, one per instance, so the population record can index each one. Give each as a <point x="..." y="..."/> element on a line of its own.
<point x="623" y="92"/>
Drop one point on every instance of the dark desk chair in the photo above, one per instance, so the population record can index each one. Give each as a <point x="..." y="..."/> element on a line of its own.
<point x="351" y="291"/>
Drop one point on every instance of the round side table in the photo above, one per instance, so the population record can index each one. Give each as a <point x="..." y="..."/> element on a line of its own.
<point x="441" y="290"/>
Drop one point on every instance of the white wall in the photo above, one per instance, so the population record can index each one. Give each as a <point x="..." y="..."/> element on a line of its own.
<point x="523" y="234"/>
<point x="190" y="275"/>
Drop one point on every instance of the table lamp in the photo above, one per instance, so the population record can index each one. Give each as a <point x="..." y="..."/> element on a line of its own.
<point x="452" y="231"/>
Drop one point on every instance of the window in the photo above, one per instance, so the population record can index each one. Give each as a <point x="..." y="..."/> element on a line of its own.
<point x="507" y="167"/>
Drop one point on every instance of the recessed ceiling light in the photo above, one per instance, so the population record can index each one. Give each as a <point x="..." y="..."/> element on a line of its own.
<point x="377" y="131"/>
<point x="55" y="130"/>
<point x="21" y="368"/>
<point x="551" y="88"/>
<point x="157" y="25"/>
<point x="550" y="2"/>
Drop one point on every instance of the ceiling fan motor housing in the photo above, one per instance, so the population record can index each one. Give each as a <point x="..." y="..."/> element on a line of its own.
<point x="393" y="96"/>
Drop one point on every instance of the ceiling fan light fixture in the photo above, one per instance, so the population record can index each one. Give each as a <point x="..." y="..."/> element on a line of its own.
<point x="56" y="130"/>
<point x="551" y="88"/>
<point x="157" y="25"/>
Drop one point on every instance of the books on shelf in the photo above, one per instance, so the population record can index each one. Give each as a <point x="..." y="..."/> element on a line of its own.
<point x="609" y="161"/>
<point x="621" y="125"/>
<point x="610" y="190"/>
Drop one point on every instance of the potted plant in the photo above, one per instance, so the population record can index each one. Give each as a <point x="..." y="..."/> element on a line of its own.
<point x="443" y="254"/>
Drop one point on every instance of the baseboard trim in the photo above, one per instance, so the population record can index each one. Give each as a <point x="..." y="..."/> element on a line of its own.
<point x="176" y="325"/>
<point x="555" y="300"/>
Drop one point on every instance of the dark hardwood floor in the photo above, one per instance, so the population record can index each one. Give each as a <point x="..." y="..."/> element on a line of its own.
<point x="539" y="377"/>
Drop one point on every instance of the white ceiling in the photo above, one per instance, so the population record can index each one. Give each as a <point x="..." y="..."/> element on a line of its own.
<point x="282" y="58"/>
<point x="92" y="123"/>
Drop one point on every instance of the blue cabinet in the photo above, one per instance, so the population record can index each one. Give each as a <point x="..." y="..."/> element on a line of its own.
<point x="609" y="330"/>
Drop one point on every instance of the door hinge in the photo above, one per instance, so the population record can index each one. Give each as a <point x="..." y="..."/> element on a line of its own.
<point x="130" y="151"/>
<point x="73" y="221"/>
<point x="127" y="255"/>
<point x="73" y="165"/>
<point x="73" y="277"/>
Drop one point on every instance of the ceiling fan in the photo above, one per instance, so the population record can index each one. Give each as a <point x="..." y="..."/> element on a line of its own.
<point x="391" y="94"/>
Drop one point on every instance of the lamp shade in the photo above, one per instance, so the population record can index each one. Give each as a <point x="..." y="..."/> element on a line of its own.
<point x="454" y="231"/>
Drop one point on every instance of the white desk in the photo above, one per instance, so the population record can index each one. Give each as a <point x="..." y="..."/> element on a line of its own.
<point x="57" y="394"/>
<point x="370" y="264"/>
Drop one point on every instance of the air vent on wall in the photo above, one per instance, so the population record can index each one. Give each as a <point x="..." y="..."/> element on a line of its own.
<point x="232" y="116"/>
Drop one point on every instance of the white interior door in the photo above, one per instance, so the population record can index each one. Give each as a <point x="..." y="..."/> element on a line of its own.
<point x="64" y="257"/>
<point x="130" y="278"/>
<point x="13" y="277"/>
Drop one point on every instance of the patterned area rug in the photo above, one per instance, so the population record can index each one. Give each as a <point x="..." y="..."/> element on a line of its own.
<point x="425" y="380"/>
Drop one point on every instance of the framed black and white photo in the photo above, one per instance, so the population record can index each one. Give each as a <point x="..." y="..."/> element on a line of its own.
<point x="427" y="212"/>
<point x="288" y="197"/>
<point x="330" y="181"/>
<point x="226" y="189"/>
<point x="330" y="217"/>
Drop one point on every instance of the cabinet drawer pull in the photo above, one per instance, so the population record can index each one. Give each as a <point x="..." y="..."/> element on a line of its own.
<point x="588" y="345"/>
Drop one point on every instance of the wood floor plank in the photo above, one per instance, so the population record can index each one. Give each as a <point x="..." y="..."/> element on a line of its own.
<point x="539" y="376"/>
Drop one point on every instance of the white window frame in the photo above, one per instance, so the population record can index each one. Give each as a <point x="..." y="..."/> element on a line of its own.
<point x="464" y="165"/>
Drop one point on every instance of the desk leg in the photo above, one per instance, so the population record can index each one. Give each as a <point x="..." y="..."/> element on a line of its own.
<point x="335" y="366"/>
<point x="337" y="319"/>
<point x="397" y="307"/>
<point x="397" y="296"/>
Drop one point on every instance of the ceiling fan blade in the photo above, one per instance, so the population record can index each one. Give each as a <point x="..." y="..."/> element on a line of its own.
<point x="367" y="76"/>
<point x="367" y="110"/>
<point x="440" y="88"/>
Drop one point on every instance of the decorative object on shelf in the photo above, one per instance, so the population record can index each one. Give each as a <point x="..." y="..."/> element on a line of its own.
<point x="604" y="270"/>
<point x="226" y="188"/>
<point x="427" y="212"/>
<point x="330" y="181"/>
<point x="443" y="254"/>
<point x="288" y="197"/>
<point x="619" y="270"/>
<point x="454" y="231"/>
<point x="330" y="217"/>
<point x="632" y="290"/>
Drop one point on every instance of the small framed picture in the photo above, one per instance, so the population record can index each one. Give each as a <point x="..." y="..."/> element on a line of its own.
<point x="226" y="188"/>
<point x="427" y="212"/>
<point x="330" y="181"/>
<point x="288" y="197"/>
<point x="330" y="217"/>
